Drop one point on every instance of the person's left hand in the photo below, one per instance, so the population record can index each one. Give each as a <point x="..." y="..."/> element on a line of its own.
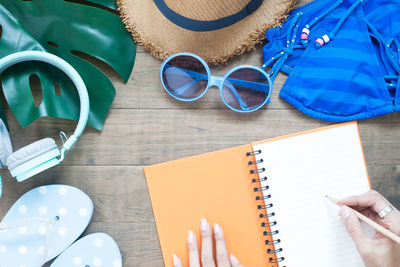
<point x="207" y="257"/>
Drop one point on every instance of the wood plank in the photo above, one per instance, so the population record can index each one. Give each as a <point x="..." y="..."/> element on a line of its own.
<point x="386" y="180"/>
<point x="119" y="193"/>
<point x="143" y="137"/>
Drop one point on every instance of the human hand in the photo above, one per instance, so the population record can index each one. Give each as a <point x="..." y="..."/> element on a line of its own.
<point x="380" y="251"/>
<point x="207" y="258"/>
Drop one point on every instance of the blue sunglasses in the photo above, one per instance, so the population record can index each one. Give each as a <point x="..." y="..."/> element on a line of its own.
<point x="187" y="77"/>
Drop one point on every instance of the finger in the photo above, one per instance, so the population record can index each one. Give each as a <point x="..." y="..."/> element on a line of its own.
<point x="235" y="262"/>
<point x="360" y="209"/>
<point x="207" y="258"/>
<point x="377" y="203"/>
<point x="370" y="214"/>
<point x="353" y="227"/>
<point x="222" y="252"/>
<point x="193" y="250"/>
<point x="371" y="199"/>
<point x="177" y="262"/>
<point x="367" y="212"/>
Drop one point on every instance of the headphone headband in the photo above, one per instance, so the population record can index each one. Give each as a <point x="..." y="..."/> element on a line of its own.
<point x="64" y="66"/>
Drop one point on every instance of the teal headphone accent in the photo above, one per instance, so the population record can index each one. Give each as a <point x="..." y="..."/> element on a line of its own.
<point x="42" y="154"/>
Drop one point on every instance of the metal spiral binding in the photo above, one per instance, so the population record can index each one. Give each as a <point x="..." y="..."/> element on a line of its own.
<point x="253" y="153"/>
<point x="259" y="172"/>
<point x="259" y="180"/>
<point x="256" y="161"/>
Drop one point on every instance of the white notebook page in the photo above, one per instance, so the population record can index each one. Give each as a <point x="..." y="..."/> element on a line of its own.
<point x="301" y="170"/>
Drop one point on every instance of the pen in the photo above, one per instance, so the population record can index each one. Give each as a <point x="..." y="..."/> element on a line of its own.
<point x="371" y="223"/>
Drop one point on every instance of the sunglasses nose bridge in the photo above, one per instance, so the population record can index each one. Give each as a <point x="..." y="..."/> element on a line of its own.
<point x="216" y="81"/>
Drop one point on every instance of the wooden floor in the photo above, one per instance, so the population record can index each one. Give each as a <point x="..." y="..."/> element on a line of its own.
<point x="146" y="126"/>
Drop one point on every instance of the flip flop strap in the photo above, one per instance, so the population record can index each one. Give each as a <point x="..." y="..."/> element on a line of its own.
<point x="48" y="223"/>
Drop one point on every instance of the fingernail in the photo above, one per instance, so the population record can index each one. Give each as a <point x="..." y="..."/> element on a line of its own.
<point x="234" y="260"/>
<point x="344" y="212"/>
<point x="203" y="225"/>
<point x="190" y="238"/>
<point x="217" y="229"/>
<point x="175" y="260"/>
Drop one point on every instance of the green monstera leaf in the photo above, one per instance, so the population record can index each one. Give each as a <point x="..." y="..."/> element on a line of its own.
<point x="111" y="4"/>
<point x="77" y="31"/>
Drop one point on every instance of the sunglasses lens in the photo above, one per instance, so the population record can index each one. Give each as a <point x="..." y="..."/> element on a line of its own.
<point x="246" y="89"/>
<point x="185" y="77"/>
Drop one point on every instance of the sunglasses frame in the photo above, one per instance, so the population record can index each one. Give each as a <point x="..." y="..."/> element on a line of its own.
<point x="217" y="81"/>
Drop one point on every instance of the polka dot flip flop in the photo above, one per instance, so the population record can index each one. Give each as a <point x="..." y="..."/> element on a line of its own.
<point x="42" y="224"/>
<point x="95" y="250"/>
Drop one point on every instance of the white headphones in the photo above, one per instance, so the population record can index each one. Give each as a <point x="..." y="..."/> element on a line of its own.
<point x="43" y="154"/>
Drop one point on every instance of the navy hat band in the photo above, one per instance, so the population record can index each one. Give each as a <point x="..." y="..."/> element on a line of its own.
<point x="202" y="26"/>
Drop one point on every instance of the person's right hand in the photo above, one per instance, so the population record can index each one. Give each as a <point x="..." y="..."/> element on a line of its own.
<point x="379" y="251"/>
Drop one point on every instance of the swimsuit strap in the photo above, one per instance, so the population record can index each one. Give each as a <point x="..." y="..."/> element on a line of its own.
<point x="321" y="41"/>
<point x="389" y="80"/>
<point x="306" y="30"/>
<point x="281" y="57"/>
<point x="392" y="81"/>
<point x="392" y="57"/>
<point x="345" y="16"/>
<point x="387" y="46"/>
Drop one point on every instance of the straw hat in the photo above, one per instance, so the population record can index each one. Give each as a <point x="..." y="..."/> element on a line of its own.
<point x="154" y="24"/>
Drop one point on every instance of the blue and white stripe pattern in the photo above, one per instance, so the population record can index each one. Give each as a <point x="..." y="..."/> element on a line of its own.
<point x="348" y="68"/>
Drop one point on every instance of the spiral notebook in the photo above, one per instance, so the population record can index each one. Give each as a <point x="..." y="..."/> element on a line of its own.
<point x="269" y="198"/>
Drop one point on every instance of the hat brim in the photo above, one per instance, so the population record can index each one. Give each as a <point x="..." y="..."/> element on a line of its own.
<point x="163" y="38"/>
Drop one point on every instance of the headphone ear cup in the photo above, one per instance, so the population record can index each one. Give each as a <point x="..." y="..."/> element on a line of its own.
<point x="5" y="144"/>
<point x="30" y="152"/>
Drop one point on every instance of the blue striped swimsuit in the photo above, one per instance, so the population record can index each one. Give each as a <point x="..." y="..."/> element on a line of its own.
<point x="342" y="57"/>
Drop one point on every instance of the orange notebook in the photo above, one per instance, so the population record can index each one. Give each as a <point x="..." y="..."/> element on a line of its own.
<point x="269" y="198"/>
